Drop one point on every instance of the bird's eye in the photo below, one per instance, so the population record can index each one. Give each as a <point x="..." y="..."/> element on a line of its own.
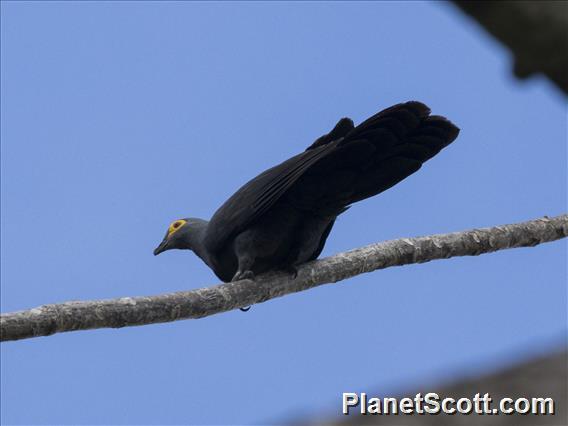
<point x="175" y="226"/>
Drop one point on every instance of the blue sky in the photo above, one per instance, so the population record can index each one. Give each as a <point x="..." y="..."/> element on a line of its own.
<point x="120" y="117"/>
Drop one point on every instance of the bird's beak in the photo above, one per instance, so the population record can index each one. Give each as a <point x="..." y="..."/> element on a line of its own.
<point x="161" y="248"/>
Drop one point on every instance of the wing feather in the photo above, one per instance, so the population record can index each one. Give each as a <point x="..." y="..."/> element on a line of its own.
<point x="259" y="194"/>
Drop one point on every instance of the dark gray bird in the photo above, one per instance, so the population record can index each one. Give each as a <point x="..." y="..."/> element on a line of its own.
<point x="282" y="217"/>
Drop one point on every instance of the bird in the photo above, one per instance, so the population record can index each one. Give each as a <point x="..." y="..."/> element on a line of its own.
<point x="283" y="217"/>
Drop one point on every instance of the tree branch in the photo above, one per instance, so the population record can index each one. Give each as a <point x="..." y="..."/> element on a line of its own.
<point x="536" y="32"/>
<point x="128" y="311"/>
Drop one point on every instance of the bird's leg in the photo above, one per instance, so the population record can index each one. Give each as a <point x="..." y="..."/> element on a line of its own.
<point x="246" y="274"/>
<point x="246" y="256"/>
<point x="245" y="262"/>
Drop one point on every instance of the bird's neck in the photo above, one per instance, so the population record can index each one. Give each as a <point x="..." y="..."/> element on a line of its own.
<point x="196" y="243"/>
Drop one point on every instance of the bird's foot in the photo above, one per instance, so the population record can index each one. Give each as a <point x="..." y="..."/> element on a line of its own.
<point x="292" y="270"/>
<point x="243" y="275"/>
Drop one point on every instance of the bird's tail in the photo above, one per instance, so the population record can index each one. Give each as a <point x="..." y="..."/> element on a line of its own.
<point x="404" y="137"/>
<point x="377" y="154"/>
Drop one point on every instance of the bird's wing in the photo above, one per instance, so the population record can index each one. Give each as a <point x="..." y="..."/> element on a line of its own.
<point x="344" y="166"/>
<point x="258" y="195"/>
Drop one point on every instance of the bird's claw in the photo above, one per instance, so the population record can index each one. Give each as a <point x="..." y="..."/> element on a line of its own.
<point x="243" y="275"/>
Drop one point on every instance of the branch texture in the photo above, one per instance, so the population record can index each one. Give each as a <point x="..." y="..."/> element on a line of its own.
<point x="536" y="32"/>
<point x="129" y="311"/>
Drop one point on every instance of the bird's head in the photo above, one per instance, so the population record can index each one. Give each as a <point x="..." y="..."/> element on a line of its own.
<point x="181" y="234"/>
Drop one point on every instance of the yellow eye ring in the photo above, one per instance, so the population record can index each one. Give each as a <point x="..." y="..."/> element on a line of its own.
<point x="175" y="226"/>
